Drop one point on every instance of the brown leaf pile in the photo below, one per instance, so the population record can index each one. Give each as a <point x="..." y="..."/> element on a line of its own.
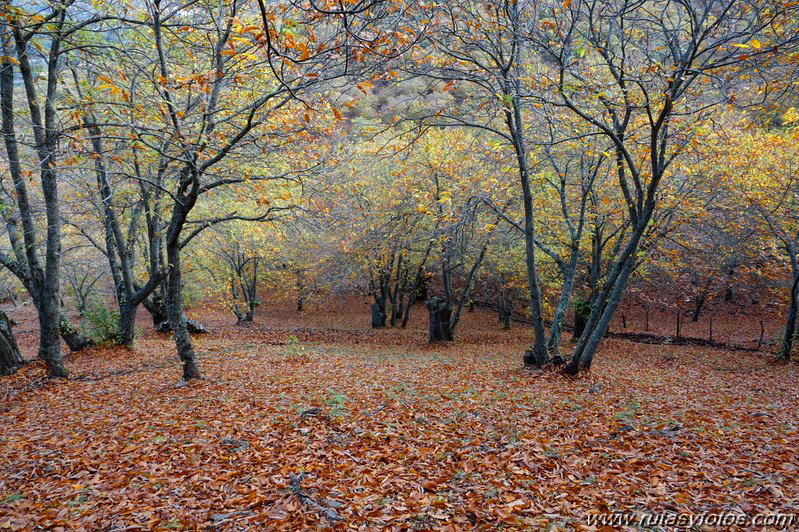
<point x="352" y="429"/>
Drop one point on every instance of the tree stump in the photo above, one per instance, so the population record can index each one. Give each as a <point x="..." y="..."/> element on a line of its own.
<point x="10" y="357"/>
<point x="439" y="312"/>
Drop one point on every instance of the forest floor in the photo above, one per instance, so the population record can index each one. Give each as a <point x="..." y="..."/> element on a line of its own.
<point x="313" y="421"/>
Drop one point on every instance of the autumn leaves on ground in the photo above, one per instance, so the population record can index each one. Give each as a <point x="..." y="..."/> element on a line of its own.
<point x="313" y="421"/>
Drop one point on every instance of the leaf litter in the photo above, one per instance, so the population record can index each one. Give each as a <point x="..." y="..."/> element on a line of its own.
<point x="344" y="428"/>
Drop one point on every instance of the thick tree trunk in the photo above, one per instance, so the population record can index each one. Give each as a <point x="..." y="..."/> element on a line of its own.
<point x="42" y="283"/>
<point x="45" y="134"/>
<point x="127" y="323"/>
<point x="439" y="315"/>
<point x="378" y="316"/>
<point x="50" y="304"/>
<point x="10" y="357"/>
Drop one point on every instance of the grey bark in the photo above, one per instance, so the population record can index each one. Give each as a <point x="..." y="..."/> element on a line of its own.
<point x="513" y="119"/>
<point x="42" y="282"/>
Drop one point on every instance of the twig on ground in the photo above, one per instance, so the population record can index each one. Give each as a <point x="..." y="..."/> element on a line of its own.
<point x="296" y="489"/>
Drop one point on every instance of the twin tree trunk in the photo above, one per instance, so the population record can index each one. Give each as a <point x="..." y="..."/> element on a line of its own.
<point x="606" y="303"/>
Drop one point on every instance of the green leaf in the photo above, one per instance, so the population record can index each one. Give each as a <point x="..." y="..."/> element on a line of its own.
<point x="13" y="497"/>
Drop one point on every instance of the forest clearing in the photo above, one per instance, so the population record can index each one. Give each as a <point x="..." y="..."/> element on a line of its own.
<point x="389" y="432"/>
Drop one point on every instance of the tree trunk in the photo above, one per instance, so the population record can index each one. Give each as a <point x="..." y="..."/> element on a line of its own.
<point x="540" y="354"/>
<point x="606" y="310"/>
<point x="378" y="316"/>
<point x="45" y="135"/>
<point x="74" y="340"/>
<point x="127" y="323"/>
<point x="507" y="300"/>
<point x="790" y="321"/>
<point x="506" y="315"/>
<point x="301" y="294"/>
<point x="420" y="292"/>
<point x="157" y="309"/>
<point x="10" y="357"/>
<point x="468" y="283"/>
<point x="514" y="122"/>
<point x="698" y="304"/>
<point x="711" y="328"/>
<point x="563" y="302"/>
<point x="439" y="315"/>
<point x="174" y="306"/>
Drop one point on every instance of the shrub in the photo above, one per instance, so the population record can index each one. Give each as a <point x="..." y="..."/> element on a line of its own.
<point x="101" y="323"/>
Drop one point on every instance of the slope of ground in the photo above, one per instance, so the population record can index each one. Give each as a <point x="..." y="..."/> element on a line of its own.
<point x="313" y="421"/>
